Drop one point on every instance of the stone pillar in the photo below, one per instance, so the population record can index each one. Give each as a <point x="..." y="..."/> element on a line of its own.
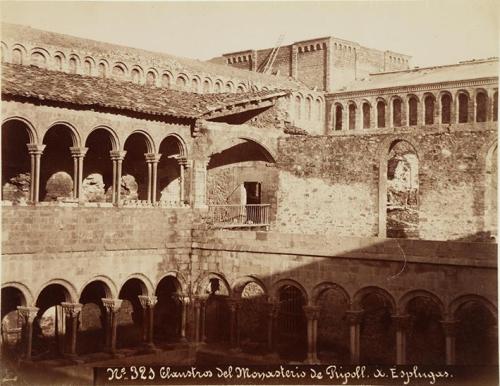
<point x="199" y="183"/>
<point x="78" y="153"/>
<point x="183" y="163"/>
<point x="272" y="316"/>
<point x="199" y="317"/>
<point x="345" y="117"/>
<point x="402" y="322"/>
<point x="152" y="160"/>
<point x="71" y="311"/>
<point x="35" y="151"/>
<point x="184" y="304"/>
<point x="28" y="315"/>
<point x="312" y="315"/>
<point x="234" y="305"/>
<point x="112" y="306"/>
<point x="148" y="304"/>
<point x="117" y="157"/>
<point x="450" y="331"/>
<point x="354" y="319"/>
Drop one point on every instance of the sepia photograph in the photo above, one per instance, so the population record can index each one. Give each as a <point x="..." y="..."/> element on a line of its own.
<point x="249" y="192"/>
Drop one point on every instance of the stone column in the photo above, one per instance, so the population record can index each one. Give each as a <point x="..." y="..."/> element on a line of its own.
<point x="272" y="316"/>
<point x="450" y="331"/>
<point x="78" y="153"/>
<point x="117" y="157"/>
<point x="148" y="303"/>
<point x="345" y="117"/>
<point x="152" y="160"/>
<point x="234" y="305"/>
<point x="183" y="163"/>
<point x="199" y="183"/>
<point x="71" y="311"/>
<point x="402" y="322"/>
<point x="312" y="315"/>
<point x="28" y="315"/>
<point x="35" y="151"/>
<point x="354" y="319"/>
<point x="199" y="316"/>
<point x="184" y="304"/>
<point x="112" y="306"/>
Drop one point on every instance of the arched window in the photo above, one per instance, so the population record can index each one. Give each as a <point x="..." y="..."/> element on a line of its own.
<point x="481" y="107"/>
<point x="495" y="106"/>
<point x="429" y="109"/>
<point x="206" y="86"/>
<point x="217" y="87"/>
<point x="180" y="83"/>
<point x="413" y="111"/>
<point x="58" y="63"/>
<point x="396" y="112"/>
<point x="151" y="78"/>
<point x="135" y="76"/>
<point x="352" y="116"/>
<point x="381" y="114"/>
<point x="17" y="56"/>
<point x="319" y="109"/>
<point x="87" y="67"/>
<point x="298" y="107"/>
<point x="38" y="59"/>
<point x="446" y="108"/>
<point x="194" y="85"/>
<point x="165" y="81"/>
<point x="366" y="115"/>
<point x="308" y="108"/>
<point x="72" y="65"/>
<point x="338" y="117"/>
<point x="102" y="70"/>
<point x="463" y="108"/>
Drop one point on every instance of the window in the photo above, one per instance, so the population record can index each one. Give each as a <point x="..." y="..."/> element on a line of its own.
<point x="413" y="111"/>
<point x="396" y="112"/>
<point x="352" y="116"/>
<point x="366" y="115"/>
<point x="481" y="107"/>
<point x="463" y="108"/>
<point x="446" y="108"/>
<point x="381" y="114"/>
<point x="429" y="109"/>
<point x="338" y="117"/>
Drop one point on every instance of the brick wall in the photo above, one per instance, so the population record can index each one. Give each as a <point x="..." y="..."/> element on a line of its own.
<point x="312" y="68"/>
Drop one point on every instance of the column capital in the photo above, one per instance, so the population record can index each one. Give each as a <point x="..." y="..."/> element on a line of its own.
<point x="34" y="148"/>
<point x="152" y="157"/>
<point x="354" y="316"/>
<point x="28" y="313"/>
<point x="148" y="301"/>
<point x="117" y="155"/>
<point x="78" y="152"/>
<point x="450" y="327"/>
<point x="402" y="321"/>
<point x="312" y="312"/>
<point x="183" y="161"/>
<point x="71" y="309"/>
<point x="182" y="298"/>
<point x="112" y="305"/>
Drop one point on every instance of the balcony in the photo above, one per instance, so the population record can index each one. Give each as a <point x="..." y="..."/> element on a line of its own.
<point x="239" y="216"/>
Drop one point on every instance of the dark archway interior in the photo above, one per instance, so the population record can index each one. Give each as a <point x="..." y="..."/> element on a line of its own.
<point x="130" y="314"/>
<point x="352" y="117"/>
<point x="217" y="313"/>
<point x="377" y="335"/>
<point x="242" y="152"/>
<point x="16" y="164"/>
<point x="429" y="110"/>
<point x="168" y="310"/>
<point x="366" y="116"/>
<point x="463" y="108"/>
<point x="97" y="167"/>
<point x="396" y="112"/>
<point x="477" y="337"/>
<point x="135" y="165"/>
<point x="253" y="319"/>
<point x="338" y="117"/>
<point x="11" y="322"/>
<point x="413" y="111"/>
<point x="57" y="158"/>
<point x="291" y="329"/>
<point x="481" y="107"/>
<point x="91" y="332"/>
<point x="380" y="114"/>
<point x="446" y="108"/>
<point x="425" y="339"/>
<point x="168" y="186"/>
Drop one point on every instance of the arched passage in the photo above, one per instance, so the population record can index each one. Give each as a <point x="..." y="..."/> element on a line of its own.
<point x="217" y="314"/>
<point x="171" y="181"/>
<point x="291" y="323"/>
<point x="130" y="314"/>
<point x="91" y="336"/>
<point x="168" y="310"/>
<point x="381" y="106"/>
<point x="16" y="164"/>
<point x="481" y="106"/>
<point x="134" y="181"/>
<point x="57" y="166"/>
<point x="98" y="167"/>
<point x="12" y="297"/>
<point x="402" y="191"/>
<point x="477" y="336"/>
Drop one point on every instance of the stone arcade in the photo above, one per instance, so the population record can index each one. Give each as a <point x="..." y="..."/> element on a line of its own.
<point x="154" y="204"/>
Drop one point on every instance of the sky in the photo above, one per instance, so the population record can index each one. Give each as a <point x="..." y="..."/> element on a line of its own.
<point x="433" y="32"/>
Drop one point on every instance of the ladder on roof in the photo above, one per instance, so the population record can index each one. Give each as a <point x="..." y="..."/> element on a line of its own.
<point x="272" y="56"/>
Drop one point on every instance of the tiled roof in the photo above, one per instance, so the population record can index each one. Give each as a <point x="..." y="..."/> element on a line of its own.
<point x="55" y="86"/>
<point x="450" y="73"/>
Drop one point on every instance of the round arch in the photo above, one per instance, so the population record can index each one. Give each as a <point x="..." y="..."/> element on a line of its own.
<point x="360" y="294"/>
<point x="5" y="52"/>
<point x="319" y="289"/>
<point x="275" y="288"/>
<point x="180" y="141"/>
<point x="28" y="298"/>
<point x="179" y="278"/>
<point x="156" y="76"/>
<point x="22" y="50"/>
<point x="458" y="302"/>
<point x="32" y="132"/>
<point x="71" y="292"/>
<point x="147" y="287"/>
<point x="204" y="279"/>
<point x="267" y="152"/>
<point x="115" y="142"/>
<point x="410" y="295"/>
<point x="75" y="135"/>
<point x="150" y="145"/>
<point x="140" y="71"/>
<point x="43" y="52"/>
<point x="240" y="283"/>
<point x="103" y="63"/>
<point x="123" y="67"/>
<point x="167" y="79"/>
<point x="109" y="286"/>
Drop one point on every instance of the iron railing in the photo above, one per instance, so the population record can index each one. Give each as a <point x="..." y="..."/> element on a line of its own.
<point x="239" y="216"/>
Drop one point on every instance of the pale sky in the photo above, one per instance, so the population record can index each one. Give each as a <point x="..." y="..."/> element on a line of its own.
<point x="433" y="32"/>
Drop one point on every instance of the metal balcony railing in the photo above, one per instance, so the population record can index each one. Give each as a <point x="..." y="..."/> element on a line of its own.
<point x="239" y="216"/>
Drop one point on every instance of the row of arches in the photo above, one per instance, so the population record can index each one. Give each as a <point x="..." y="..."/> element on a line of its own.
<point x="308" y="108"/>
<point x="263" y="321"/>
<point x="413" y="110"/>
<point x="90" y="66"/>
<point x="70" y="167"/>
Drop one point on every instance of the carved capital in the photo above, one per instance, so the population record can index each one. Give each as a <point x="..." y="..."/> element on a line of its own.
<point x="183" y="161"/>
<point x="354" y="317"/>
<point x="152" y="157"/>
<point x="117" y="155"/>
<point x="148" y="301"/>
<point x="28" y="313"/>
<point x="78" y="152"/>
<point x="402" y="322"/>
<point x="71" y="309"/>
<point x="33" y="148"/>
<point x="450" y="327"/>
<point x="312" y="312"/>
<point x="111" y="305"/>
